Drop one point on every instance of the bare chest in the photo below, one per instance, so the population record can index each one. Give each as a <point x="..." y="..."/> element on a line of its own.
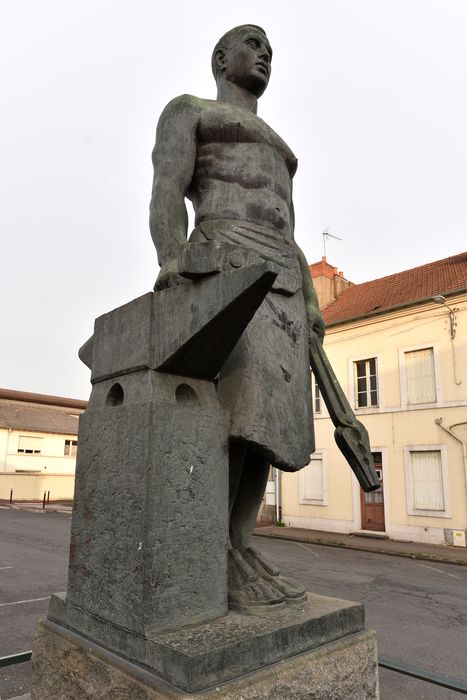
<point x="228" y="126"/>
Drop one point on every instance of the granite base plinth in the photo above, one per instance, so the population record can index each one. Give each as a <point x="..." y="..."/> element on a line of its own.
<point x="291" y="655"/>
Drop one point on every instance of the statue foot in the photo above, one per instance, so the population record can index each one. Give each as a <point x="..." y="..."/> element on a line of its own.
<point x="249" y="592"/>
<point x="292" y="591"/>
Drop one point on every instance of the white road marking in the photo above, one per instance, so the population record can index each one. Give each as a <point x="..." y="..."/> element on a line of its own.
<point x="20" y="602"/>
<point x="440" y="572"/>
<point x="307" y="549"/>
<point x="2" y="568"/>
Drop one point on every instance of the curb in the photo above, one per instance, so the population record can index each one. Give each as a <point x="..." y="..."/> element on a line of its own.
<point x="41" y="511"/>
<point x="422" y="556"/>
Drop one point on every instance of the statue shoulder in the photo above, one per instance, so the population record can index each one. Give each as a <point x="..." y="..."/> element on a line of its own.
<point x="185" y="107"/>
<point x="176" y="132"/>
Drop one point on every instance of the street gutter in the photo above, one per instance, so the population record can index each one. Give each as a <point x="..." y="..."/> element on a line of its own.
<point x="422" y="556"/>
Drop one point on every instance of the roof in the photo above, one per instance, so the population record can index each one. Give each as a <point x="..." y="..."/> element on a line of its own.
<point x="401" y="289"/>
<point x="21" y="410"/>
<point x="19" y="416"/>
<point x="29" y="397"/>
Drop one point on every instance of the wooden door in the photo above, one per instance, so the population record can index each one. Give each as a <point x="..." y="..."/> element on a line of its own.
<point x="372" y="503"/>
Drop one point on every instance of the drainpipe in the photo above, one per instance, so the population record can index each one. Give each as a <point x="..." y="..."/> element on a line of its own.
<point x="439" y="422"/>
<point x="278" y="495"/>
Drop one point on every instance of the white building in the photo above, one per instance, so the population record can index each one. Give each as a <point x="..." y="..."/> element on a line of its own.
<point x="38" y="443"/>
<point x="401" y="359"/>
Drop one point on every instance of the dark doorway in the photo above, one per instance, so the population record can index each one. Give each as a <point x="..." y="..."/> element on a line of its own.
<point x="372" y="504"/>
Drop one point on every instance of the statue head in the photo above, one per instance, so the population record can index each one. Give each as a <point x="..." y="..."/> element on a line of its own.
<point x="243" y="56"/>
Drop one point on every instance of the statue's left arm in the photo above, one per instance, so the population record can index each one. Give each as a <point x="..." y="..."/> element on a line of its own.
<point x="315" y="321"/>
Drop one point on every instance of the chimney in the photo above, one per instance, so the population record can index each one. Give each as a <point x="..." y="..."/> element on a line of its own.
<point x="328" y="282"/>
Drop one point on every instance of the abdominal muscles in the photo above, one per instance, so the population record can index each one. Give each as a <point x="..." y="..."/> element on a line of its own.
<point x="242" y="181"/>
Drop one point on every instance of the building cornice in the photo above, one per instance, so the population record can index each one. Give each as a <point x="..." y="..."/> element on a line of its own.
<point x="29" y="397"/>
<point x="394" y="309"/>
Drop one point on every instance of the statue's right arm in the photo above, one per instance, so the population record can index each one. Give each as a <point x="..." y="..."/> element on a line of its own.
<point x="173" y="158"/>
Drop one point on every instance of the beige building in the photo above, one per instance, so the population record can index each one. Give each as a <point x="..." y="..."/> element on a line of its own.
<point x="398" y="346"/>
<point x="38" y="443"/>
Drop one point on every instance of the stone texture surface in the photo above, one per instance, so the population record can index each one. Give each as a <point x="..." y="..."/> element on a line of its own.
<point x="148" y="549"/>
<point x="203" y="655"/>
<point x="214" y="652"/>
<point x="189" y="329"/>
<point x="68" y="668"/>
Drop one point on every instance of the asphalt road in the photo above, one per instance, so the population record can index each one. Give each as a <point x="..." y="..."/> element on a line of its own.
<point x="418" y="609"/>
<point x="33" y="564"/>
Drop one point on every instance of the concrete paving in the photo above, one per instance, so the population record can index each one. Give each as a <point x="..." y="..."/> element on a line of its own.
<point x="368" y="542"/>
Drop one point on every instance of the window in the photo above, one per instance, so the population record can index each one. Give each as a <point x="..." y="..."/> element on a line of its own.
<point x="376" y="496"/>
<point x="366" y="389"/>
<point x="29" y="445"/>
<point x="316" y="394"/>
<point x="313" y="481"/>
<point x="427" y="481"/>
<point x="70" y="448"/>
<point x="420" y="374"/>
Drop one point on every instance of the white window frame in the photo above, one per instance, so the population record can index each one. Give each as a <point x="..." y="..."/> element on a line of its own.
<point x="321" y="455"/>
<point x="379" y="383"/>
<point x="322" y="405"/>
<point x="403" y="376"/>
<point x="71" y="443"/>
<point x="411" y="510"/>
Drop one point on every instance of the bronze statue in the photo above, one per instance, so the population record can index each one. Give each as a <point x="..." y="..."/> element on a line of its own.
<point x="238" y="174"/>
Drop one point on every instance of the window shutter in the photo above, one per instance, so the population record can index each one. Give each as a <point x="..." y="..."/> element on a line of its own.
<point x="313" y="480"/>
<point x="420" y="367"/>
<point x="29" y="444"/>
<point x="427" y="478"/>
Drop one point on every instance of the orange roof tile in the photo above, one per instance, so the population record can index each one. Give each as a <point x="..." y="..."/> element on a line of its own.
<point x="407" y="287"/>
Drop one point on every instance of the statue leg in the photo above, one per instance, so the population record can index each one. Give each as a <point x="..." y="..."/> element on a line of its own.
<point x="254" y="583"/>
<point x="248" y="477"/>
<point x="248" y="591"/>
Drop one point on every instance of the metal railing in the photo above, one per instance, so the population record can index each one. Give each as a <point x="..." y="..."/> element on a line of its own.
<point x="15" y="658"/>
<point x="397" y="666"/>
<point x="427" y="676"/>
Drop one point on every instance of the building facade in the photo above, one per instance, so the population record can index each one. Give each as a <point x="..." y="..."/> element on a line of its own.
<point x="398" y="346"/>
<point x="38" y="444"/>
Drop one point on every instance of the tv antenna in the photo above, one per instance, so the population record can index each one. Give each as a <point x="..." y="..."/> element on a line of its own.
<point x="326" y="235"/>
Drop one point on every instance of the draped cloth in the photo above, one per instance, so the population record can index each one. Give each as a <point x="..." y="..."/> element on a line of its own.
<point x="265" y="382"/>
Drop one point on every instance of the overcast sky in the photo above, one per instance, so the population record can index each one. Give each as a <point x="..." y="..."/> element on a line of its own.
<point x="370" y="95"/>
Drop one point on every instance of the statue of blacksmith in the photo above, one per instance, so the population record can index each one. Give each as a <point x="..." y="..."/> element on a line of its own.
<point x="238" y="174"/>
<point x="202" y="382"/>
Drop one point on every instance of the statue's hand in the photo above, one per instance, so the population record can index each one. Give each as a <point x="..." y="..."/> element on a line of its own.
<point x="169" y="276"/>
<point x="315" y="323"/>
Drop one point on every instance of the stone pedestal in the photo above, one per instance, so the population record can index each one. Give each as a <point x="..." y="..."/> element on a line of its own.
<point x="145" y="613"/>
<point x="316" y="651"/>
<point x="149" y="536"/>
<point x="149" y="533"/>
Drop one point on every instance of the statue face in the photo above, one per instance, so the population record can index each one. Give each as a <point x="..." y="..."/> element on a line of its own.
<point x="248" y="62"/>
